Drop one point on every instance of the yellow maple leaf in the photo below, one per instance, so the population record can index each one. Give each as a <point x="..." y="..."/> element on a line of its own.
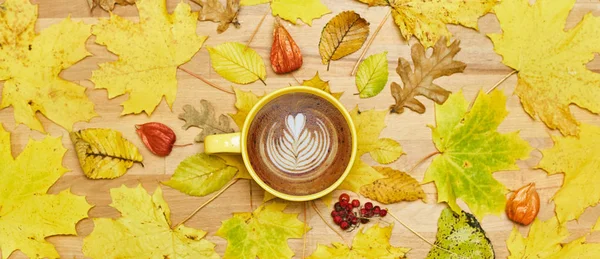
<point x="244" y="101"/>
<point x="27" y="214"/>
<point x="551" y="62"/>
<point x="149" y="53"/>
<point x="30" y="64"/>
<point x="578" y="159"/>
<point x="544" y="241"/>
<point x="372" y="243"/>
<point x="318" y="83"/>
<point x="292" y="10"/>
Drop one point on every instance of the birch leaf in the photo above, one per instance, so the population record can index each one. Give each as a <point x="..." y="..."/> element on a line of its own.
<point x="201" y="174"/>
<point x="205" y="120"/>
<point x="386" y="151"/>
<point x="318" y="83"/>
<point x="342" y="36"/>
<point x="237" y="63"/>
<point x="372" y="75"/>
<point x="396" y="187"/>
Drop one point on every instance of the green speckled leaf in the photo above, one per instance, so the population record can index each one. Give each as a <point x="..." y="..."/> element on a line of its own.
<point x="460" y="236"/>
<point x="471" y="150"/>
<point x="201" y="174"/>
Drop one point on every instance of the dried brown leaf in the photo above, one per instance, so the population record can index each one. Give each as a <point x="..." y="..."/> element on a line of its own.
<point x="213" y="10"/>
<point x="426" y="69"/>
<point x="343" y="35"/>
<point x="205" y="119"/>
<point x="108" y="5"/>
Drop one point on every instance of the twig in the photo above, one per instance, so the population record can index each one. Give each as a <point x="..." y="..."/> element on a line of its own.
<point x="183" y="145"/>
<point x="304" y="241"/>
<point x="205" y="80"/>
<point x="366" y="48"/>
<point x="250" y="186"/>
<point x="256" y="29"/>
<point x="207" y="202"/>
<point x="501" y="81"/>
<point x="297" y="81"/>
<point x="423" y="160"/>
<point x="327" y="223"/>
<point x="420" y="236"/>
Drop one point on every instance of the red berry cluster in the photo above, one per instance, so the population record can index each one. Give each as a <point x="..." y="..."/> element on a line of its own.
<point x="343" y="213"/>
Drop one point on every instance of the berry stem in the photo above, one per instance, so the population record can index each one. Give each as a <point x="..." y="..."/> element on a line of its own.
<point x="327" y="223"/>
<point x="423" y="160"/>
<point x="501" y="81"/>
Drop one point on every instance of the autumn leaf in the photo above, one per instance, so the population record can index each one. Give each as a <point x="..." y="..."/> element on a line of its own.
<point x="213" y="10"/>
<point x="104" y="153"/>
<point x="577" y="158"/>
<point x="149" y="53"/>
<point x="548" y="58"/>
<point x="360" y="174"/>
<point x="236" y="161"/>
<point x="343" y="35"/>
<point x="545" y="241"/>
<point x="420" y="81"/>
<point x="144" y="230"/>
<point x="205" y="120"/>
<point x="30" y="65"/>
<point x="371" y="243"/>
<point x="28" y="215"/>
<point x="201" y="174"/>
<point x="263" y="233"/>
<point x="237" y="63"/>
<point x="460" y="236"/>
<point x="318" y="83"/>
<point x="292" y="10"/>
<point x="386" y="150"/>
<point x="268" y="196"/>
<point x="108" y="5"/>
<point x="471" y="150"/>
<point x="244" y="101"/>
<point x="396" y="187"/>
<point x="372" y="75"/>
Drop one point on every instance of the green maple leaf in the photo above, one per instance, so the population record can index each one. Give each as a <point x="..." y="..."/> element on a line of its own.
<point x="471" y="150"/>
<point x="263" y="233"/>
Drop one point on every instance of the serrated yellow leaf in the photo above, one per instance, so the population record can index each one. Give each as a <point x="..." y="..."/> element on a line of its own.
<point x="268" y="196"/>
<point x="471" y="150"/>
<point x="327" y="199"/>
<point x="397" y="186"/>
<point x="361" y="174"/>
<point x="236" y="161"/>
<point x="343" y="35"/>
<point x="30" y="65"/>
<point x="305" y="10"/>
<point x="375" y="2"/>
<point x="427" y="20"/>
<point x="550" y="61"/>
<point x="28" y="215"/>
<point x="149" y="53"/>
<point x="371" y="243"/>
<point x="201" y="174"/>
<point x="144" y="230"/>
<point x="237" y="63"/>
<point x="318" y="83"/>
<point x="372" y="75"/>
<point x="244" y="101"/>
<point x="386" y="150"/>
<point x="104" y="153"/>
<point x="253" y="2"/>
<point x="369" y="125"/>
<point x="579" y="159"/>
<point x="263" y="233"/>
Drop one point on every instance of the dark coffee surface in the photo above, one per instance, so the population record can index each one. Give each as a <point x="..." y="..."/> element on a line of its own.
<point x="299" y="144"/>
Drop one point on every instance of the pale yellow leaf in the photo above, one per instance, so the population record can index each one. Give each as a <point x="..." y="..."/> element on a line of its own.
<point x="244" y="101"/>
<point x="237" y="63"/>
<point x="305" y="10"/>
<point x="386" y="151"/>
<point x="318" y="83"/>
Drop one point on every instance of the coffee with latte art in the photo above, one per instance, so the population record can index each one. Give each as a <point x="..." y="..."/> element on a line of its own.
<point x="299" y="144"/>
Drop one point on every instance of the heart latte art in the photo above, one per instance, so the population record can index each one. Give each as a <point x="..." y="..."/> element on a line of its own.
<point x="299" y="143"/>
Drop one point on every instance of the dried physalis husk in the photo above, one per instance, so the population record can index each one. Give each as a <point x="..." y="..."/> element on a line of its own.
<point x="157" y="137"/>
<point x="523" y="205"/>
<point x="285" y="54"/>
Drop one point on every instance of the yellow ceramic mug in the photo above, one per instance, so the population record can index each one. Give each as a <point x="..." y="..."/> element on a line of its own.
<point x="238" y="142"/>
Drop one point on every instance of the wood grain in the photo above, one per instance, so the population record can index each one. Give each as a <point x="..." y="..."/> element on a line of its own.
<point x="483" y="71"/>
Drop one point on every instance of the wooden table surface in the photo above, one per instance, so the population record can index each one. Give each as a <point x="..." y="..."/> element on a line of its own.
<point x="484" y="69"/>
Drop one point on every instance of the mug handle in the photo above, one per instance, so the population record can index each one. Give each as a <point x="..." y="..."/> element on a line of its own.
<point x="223" y="143"/>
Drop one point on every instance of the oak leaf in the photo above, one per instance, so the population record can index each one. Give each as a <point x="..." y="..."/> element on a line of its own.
<point x="144" y="230"/>
<point x="544" y="241"/>
<point x="460" y="235"/>
<point x="108" y="5"/>
<point x="292" y="10"/>
<point x="371" y="243"/>
<point x="551" y="61"/>
<point x="343" y="35"/>
<point x="201" y="174"/>
<point x="213" y="10"/>
<point x="30" y="65"/>
<point x="149" y="53"/>
<point x="244" y="101"/>
<point x="420" y="81"/>
<point x="205" y="120"/>
<point x="262" y="233"/>
<point x="396" y="187"/>
<point x="237" y="63"/>
<point x="471" y="149"/>
<point x="318" y="83"/>
<point x="578" y="159"/>
<point x="372" y="75"/>
<point x="28" y="215"/>
<point x="104" y="153"/>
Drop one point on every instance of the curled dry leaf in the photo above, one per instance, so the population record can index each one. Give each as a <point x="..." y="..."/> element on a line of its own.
<point x="157" y="137"/>
<point x="205" y="119"/>
<point x="523" y="205"/>
<point x="285" y="54"/>
<point x="213" y="10"/>
<point x="108" y="5"/>
<point x="420" y="81"/>
<point x="342" y="36"/>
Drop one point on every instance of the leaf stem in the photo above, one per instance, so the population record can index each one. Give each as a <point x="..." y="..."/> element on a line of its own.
<point x="207" y="202"/>
<point x="205" y="80"/>
<point x="183" y="145"/>
<point x="366" y="48"/>
<point x="257" y="28"/>
<point x="327" y="223"/>
<point x="501" y="81"/>
<point x="423" y="160"/>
